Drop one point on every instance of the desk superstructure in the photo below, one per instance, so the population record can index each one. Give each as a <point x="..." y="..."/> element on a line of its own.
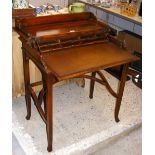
<point x="68" y="46"/>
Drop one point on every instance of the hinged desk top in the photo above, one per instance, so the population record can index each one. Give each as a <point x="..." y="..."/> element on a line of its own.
<point x="79" y="60"/>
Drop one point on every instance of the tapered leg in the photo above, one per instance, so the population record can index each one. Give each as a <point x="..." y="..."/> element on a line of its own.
<point x="92" y="83"/>
<point x="49" y="115"/>
<point x="27" y="84"/>
<point x="120" y="91"/>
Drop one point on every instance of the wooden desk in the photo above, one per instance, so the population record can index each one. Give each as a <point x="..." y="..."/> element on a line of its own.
<point x="64" y="47"/>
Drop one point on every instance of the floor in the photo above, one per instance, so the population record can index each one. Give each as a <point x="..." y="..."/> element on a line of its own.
<point x="130" y="144"/>
<point x="81" y="126"/>
<point x="16" y="147"/>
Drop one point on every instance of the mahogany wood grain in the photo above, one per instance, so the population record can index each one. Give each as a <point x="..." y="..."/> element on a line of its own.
<point x="53" y="19"/>
<point x="81" y="60"/>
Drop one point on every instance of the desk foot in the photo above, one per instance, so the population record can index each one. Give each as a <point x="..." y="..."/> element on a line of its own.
<point x="28" y="107"/>
<point x="91" y="97"/>
<point x="117" y="108"/>
<point x="49" y="149"/>
<point x="116" y="119"/>
<point x="27" y="117"/>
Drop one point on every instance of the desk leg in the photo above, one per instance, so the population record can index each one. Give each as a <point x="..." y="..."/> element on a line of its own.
<point x="49" y="110"/>
<point x="92" y="83"/>
<point x="121" y="90"/>
<point x="27" y="84"/>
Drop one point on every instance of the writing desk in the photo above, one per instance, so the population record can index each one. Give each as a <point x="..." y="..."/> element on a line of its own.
<point x="68" y="46"/>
